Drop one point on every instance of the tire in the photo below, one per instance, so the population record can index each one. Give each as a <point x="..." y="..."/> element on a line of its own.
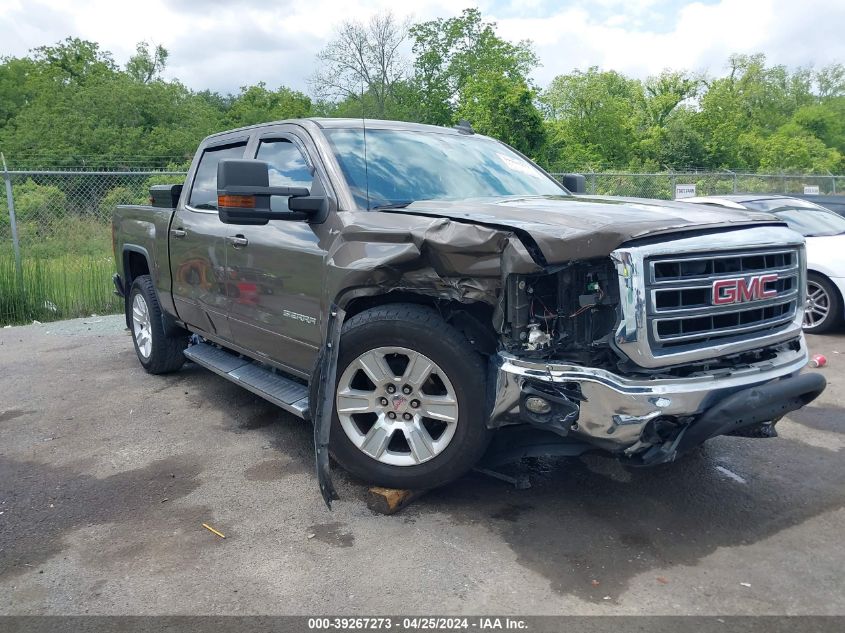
<point x="159" y="352"/>
<point x="452" y="387"/>
<point x="825" y="310"/>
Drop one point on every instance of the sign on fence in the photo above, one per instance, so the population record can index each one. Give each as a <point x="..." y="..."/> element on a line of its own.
<point x="811" y="190"/>
<point x="684" y="191"/>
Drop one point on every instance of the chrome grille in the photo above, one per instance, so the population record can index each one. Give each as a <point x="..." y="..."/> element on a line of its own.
<point x="682" y="310"/>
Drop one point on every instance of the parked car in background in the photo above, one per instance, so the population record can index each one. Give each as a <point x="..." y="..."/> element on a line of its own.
<point x="824" y="231"/>
<point x="834" y="203"/>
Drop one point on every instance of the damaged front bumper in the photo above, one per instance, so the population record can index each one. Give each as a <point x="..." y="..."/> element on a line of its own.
<point x="650" y="420"/>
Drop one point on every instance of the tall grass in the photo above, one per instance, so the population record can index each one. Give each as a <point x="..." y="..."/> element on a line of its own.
<point x="59" y="287"/>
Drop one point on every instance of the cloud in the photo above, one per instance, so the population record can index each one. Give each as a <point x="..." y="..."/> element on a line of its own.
<point x="701" y="36"/>
<point x="225" y="44"/>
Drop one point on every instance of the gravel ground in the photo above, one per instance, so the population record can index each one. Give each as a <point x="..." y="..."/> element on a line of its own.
<point x="107" y="475"/>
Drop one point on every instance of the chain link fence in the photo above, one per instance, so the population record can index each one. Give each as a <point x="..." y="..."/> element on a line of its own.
<point x="63" y="223"/>
<point x="663" y="186"/>
<point x="63" y="229"/>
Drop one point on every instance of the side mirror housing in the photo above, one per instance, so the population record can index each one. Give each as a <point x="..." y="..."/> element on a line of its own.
<point x="243" y="194"/>
<point x="576" y="183"/>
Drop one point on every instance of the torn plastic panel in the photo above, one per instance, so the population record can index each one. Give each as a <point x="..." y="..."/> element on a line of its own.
<point x="325" y="404"/>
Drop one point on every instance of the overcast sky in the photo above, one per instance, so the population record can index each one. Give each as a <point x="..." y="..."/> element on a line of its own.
<point x="224" y="44"/>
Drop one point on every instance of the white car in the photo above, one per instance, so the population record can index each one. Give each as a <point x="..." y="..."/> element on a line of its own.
<point x="824" y="231"/>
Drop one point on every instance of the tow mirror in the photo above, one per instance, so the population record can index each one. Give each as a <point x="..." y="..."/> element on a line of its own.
<point x="576" y="183"/>
<point x="243" y="194"/>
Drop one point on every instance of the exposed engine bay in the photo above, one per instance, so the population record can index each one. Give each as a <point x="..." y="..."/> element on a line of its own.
<point x="567" y="313"/>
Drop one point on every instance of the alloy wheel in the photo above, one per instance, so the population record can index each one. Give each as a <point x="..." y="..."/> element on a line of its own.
<point x="397" y="406"/>
<point x="141" y="325"/>
<point x="818" y="305"/>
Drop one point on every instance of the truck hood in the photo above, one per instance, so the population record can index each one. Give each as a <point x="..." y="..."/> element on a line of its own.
<point x="579" y="227"/>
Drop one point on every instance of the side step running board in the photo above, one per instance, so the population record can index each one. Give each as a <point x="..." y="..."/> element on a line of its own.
<point x="284" y="392"/>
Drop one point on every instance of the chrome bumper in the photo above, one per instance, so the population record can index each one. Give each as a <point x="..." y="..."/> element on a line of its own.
<point x="613" y="411"/>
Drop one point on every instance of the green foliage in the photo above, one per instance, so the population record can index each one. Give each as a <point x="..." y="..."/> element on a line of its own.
<point x="37" y="203"/>
<point x="503" y="108"/>
<point x="256" y="104"/>
<point x="450" y="53"/>
<point x="593" y="114"/>
<point x="116" y="196"/>
<point x="756" y="116"/>
<point x="60" y="288"/>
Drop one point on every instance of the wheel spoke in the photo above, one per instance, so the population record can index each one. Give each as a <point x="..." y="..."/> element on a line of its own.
<point x="420" y="441"/>
<point x="351" y="401"/>
<point x="136" y="313"/>
<point x="443" y="408"/>
<point x="418" y="370"/>
<point x="376" y="440"/>
<point x="375" y="367"/>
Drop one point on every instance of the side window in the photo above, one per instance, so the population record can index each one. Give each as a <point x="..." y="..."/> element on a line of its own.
<point x="287" y="168"/>
<point x="204" y="191"/>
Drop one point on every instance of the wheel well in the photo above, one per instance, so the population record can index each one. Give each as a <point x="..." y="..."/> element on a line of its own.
<point x="134" y="265"/>
<point x="473" y="320"/>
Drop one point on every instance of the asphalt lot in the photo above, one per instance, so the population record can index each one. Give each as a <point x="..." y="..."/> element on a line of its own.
<point x="107" y="474"/>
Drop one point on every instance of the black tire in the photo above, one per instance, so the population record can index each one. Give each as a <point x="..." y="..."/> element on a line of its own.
<point x="422" y="330"/>
<point x="166" y="347"/>
<point x="833" y="300"/>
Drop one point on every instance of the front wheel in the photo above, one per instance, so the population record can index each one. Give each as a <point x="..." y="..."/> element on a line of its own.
<point x="409" y="405"/>
<point x="159" y="351"/>
<point x="824" y="305"/>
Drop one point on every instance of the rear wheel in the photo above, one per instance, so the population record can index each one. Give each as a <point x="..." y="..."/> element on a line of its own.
<point x="409" y="405"/>
<point x="824" y="305"/>
<point x="159" y="351"/>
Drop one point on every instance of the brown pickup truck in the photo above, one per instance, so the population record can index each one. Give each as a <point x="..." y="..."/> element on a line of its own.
<point x="420" y="291"/>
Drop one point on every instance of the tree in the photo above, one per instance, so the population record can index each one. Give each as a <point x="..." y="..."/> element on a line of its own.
<point x="363" y="58"/>
<point x="594" y="113"/>
<point x="146" y="65"/>
<point x="503" y="108"/>
<point x="256" y="104"/>
<point x="74" y="60"/>
<point x="792" y="148"/>
<point x="449" y="52"/>
<point x="665" y="92"/>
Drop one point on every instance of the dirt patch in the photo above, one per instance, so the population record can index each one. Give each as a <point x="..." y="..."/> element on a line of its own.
<point x="11" y="414"/>
<point x="589" y="525"/>
<point x="335" y="534"/>
<point x="41" y="503"/>
<point x="271" y="470"/>
<point x="511" y="512"/>
<point x="821" y="418"/>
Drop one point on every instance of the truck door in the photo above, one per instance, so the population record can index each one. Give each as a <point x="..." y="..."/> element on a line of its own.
<point x="275" y="271"/>
<point x="198" y="245"/>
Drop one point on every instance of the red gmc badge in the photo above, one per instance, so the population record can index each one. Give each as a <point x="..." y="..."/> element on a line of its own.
<point x="743" y="289"/>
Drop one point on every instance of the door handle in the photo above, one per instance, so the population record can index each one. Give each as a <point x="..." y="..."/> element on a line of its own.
<point x="178" y="232"/>
<point x="238" y="241"/>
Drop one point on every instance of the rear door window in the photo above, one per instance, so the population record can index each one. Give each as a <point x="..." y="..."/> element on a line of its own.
<point x="204" y="191"/>
<point x="288" y="168"/>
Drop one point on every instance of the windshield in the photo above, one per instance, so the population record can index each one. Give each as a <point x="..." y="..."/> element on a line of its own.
<point x="405" y="166"/>
<point x="807" y="218"/>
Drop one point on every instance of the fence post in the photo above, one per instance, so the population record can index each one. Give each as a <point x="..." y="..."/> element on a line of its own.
<point x="593" y="184"/>
<point x="833" y="184"/>
<point x="10" y="201"/>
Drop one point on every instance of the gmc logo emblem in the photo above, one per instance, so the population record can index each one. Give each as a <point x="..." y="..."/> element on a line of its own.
<point x="740" y="290"/>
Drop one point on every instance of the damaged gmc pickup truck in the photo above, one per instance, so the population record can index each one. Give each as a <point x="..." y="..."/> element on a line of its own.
<point x="417" y="291"/>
